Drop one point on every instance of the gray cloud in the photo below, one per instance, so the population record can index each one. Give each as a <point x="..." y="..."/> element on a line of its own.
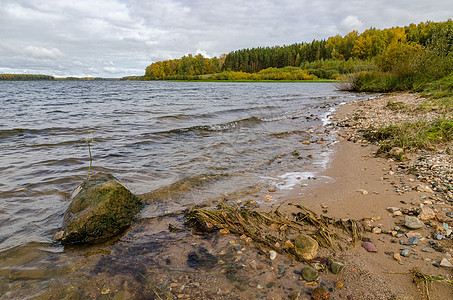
<point x="121" y="37"/>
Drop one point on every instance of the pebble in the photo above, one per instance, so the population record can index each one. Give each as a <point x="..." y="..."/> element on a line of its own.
<point x="309" y="274"/>
<point x="412" y="241"/>
<point x="397" y="256"/>
<point x="412" y="222"/>
<point x="446" y="263"/>
<point x="377" y="230"/>
<point x="370" y="247"/>
<point x="272" y="254"/>
<point x="426" y="214"/>
<point x="392" y="209"/>
<point x="320" y="293"/>
<point x="405" y="252"/>
<point x="336" y="267"/>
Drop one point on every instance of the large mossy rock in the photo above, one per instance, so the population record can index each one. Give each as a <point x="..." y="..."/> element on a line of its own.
<point x="100" y="209"/>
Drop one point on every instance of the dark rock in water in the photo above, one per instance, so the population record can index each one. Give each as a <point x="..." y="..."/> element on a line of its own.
<point x="202" y="259"/>
<point x="336" y="267"/>
<point x="309" y="274"/>
<point x="100" y="209"/>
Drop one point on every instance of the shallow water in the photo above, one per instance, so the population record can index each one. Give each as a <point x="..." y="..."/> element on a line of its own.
<point x="177" y="143"/>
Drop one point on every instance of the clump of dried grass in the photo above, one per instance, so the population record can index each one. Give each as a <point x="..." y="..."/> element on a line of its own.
<point x="272" y="229"/>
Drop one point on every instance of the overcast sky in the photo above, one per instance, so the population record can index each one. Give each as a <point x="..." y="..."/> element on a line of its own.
<point x="115" y="38"/>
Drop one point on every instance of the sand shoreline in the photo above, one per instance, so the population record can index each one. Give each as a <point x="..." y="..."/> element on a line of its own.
<point x="363" y="187"/>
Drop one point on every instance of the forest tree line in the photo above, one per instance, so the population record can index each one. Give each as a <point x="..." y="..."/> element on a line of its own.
<point x="373" y="50"/>
<point x="24" y="77"/>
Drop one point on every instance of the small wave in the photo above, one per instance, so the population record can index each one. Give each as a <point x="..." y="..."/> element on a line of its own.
<point x="175" y="117"/>
<point x="210" y="128"/>
<point x="44" y="131"/>
<point x="181" y="186"/>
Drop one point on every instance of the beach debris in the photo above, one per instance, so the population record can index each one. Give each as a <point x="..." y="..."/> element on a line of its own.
<point x="423" y="281"/>
<point x="320" y="293"/>
<point x="274" y="229"/>
<point x="412" y="222"/>
<point x="370" y="247"/>
<point x="306" y="246"/>
<point x="309" y="274"/>
<point x="364" y="192"/>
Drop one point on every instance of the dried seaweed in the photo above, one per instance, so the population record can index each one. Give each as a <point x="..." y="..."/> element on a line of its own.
<point x="273" y="228"/>
<point x="423" y="282"/>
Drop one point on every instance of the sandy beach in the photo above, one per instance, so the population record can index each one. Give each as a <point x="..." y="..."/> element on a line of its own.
<point x="367" y="187"/>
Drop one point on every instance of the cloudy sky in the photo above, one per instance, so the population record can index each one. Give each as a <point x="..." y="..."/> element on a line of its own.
<point x="115" y="38"/>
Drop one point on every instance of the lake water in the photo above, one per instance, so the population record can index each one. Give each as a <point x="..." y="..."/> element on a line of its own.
<point x="178" y="143"/>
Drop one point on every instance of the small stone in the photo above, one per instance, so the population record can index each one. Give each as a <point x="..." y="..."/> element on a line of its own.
<point x="59" y="235"/>
<point x="320" y="293"/>
<point x="306" y="246"/>
<point x="397" y="256"/>
<point x="336" y="267"/>
<point x="377" y="230"/>
<point x="426" y="249"/>
<point x="370" y="247"/>
<point x="412" y="234"/>
<point x="339" y="284"/>
<point x="405" y="252"/>
<point x="309" y="274"/>
<point x="426" y="214"/>
<point x="413" y="241"/>
<point x="392" y="209"/>
<point x="412" y="222"/>
<point x="398" y="213"/>
<point x="288" y="244"/>
<point x="446" y="263"/>
<point x="272" y="254"/>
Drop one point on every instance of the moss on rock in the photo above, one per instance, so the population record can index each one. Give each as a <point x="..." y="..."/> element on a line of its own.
<point x="100" y="209"/>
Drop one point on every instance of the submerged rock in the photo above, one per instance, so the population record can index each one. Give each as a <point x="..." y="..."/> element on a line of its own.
<point x="336" y="267"/>
<point x="320" y="293"/>
<point x="306" y="246"/>
<point x="100" y="209"/>
<point x="309" y="274"/>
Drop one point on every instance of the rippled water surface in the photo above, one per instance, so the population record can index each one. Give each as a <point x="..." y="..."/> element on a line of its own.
<point x="218" y="137"/>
